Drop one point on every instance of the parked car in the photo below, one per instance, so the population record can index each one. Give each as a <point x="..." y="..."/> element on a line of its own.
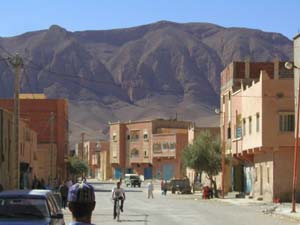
<point x="132" y="180"/>
<point x="34" y="207"/>
<point x="180" y="185"/>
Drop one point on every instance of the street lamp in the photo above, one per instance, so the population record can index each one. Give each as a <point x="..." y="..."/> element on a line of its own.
<point x="289" y="66"/>
<point x="217" y="111"/>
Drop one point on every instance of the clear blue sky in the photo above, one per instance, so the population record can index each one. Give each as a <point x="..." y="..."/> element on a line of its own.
<point x="20" y="16"/>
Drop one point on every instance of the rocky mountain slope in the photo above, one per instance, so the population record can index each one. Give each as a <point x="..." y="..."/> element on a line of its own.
<point x="149" y="71"/>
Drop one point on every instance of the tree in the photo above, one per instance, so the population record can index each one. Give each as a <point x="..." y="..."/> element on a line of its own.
<point x="204" y="155"/>
<point x="76" y="166"/>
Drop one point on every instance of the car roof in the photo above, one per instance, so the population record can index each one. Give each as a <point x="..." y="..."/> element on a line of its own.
<point x="25" y="193"/>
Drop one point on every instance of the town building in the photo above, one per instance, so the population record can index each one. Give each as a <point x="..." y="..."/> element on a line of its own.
<point x="151" y="148"/>
<point x="257" y="106"/>
<point x="101" y="162"/>
<point x="49" y="119"/>
<point x="27" y="153"/>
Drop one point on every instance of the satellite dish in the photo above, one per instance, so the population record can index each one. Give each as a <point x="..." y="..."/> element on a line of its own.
<point x="217" y="111"/>
<point x="289" y="65"/>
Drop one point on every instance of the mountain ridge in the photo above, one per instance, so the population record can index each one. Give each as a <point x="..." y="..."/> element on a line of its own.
<point x="152" y="70"/>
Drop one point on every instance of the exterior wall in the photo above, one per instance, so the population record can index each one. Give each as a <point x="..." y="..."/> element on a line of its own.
<point x="251" y="106"/>
<point x="6" y="145"/>
<point x="28" y="147"/>
<point x="264" y="176"/>
<point x="42" y="161"/>
<point x="37" y="113"/>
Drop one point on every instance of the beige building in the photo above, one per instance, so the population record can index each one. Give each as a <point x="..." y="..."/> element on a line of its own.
<point x="258" y="117"/>
<point x="27" y="150"/>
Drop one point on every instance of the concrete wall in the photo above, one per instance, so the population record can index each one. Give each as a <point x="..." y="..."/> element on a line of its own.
<point x="263" y="176"/>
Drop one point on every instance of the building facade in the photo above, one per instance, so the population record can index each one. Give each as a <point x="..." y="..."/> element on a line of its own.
<point x="27" y="150"/>
<point x="49" y="119"/>
<point x="149" y="148"/>
<point x="258" y="119"/>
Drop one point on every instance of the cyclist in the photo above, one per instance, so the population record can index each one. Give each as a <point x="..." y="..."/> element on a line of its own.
<point x="118" y="194"/>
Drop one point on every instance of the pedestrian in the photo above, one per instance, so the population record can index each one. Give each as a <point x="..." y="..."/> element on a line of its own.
<point x="150" y="189"/>
<point x="63" y="190"/>
<point x="69" y="183"/>
<point x="165" y="188"/>
<point x="162" y="184"/>
<point x="81" y="198"/>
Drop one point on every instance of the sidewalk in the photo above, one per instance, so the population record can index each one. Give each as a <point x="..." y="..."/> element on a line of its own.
<point x="268" y="208"/>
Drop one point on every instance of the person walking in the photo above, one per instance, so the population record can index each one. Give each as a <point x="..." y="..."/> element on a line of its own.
<point x="63" y="190"/>
<point x="150" y="190"/>
<point x="81" y="198"/>
<point x="162" y="184"/>
<point x="165" y="188"/>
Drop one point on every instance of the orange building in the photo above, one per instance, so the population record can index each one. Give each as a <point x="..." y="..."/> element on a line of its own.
<point x="40" y="113"/>
<point x="258" y="114"/>
<point x="149" y="148"/>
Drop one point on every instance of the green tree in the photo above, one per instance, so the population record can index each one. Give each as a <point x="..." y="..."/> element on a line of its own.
<point x="204" y="155"/>
<point x="76" y="166"/>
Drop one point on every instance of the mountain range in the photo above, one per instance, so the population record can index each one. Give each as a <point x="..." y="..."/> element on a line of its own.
<point x="159" y="70"/>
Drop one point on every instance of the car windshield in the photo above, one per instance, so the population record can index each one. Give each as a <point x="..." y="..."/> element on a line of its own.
<point x="134" y="177"/>
<point x="23" y="208"/>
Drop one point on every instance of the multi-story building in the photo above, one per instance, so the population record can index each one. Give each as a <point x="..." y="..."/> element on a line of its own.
<point x="150" y="148"/>
<point x="258" y="119"/>
<point x="101" y="161"/>
<point x="87" y="154"/>
<point x="27" y="150"/>
<point x="49" y="118"/>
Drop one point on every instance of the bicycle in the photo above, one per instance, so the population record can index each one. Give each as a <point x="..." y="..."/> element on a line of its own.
<point x="118" y="208"/>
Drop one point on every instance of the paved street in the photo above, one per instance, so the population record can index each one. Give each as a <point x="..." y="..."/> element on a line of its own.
<point x="176" y="209"/>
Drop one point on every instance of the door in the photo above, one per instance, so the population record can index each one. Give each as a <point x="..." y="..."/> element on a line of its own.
<point x="118" y="173"/>
<point x="168" y="171"/>
<point x="248" y="180"/>
<point x="148" y="173"/>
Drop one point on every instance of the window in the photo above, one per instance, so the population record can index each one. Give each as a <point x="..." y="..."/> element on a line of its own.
<point x="172" y="146"/>
<point x="165" y="146"/>
<point x="157" y="148"/>
<point x="145" y="136"/>
<point x="114" y="137"/>
<point x="286" y="122"/>
<point x="134" y="135"/>
<point x="134" y="153"/>
<point x="250" y="125"/>
<point x="145" y="153"/>
<point x="244" y="127"/>
<point x="257" y="122"/>
<point x="228" y="132"/>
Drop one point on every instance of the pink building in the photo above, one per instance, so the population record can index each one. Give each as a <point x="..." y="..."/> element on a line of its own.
<point x="149" y="148"/>
<point x="258" y="117"/>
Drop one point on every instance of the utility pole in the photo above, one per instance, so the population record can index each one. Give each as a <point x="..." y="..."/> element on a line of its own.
<point x="82" y="146"/>
<point x="17" y="63"/>
<point x="52" y="118"/>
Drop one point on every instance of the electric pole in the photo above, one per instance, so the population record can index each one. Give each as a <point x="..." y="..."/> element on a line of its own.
<point x="17" y="63"/>
<point x="52" y="118"/>
<point x="82" y="146"/>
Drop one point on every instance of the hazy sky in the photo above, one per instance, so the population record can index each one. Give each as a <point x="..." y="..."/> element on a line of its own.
<point x="20" y="16"/>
